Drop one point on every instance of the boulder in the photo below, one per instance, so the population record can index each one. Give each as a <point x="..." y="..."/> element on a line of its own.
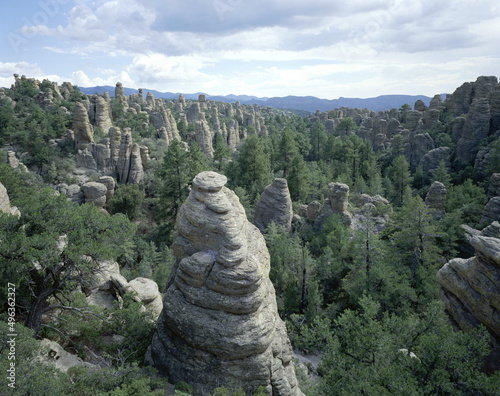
<point x="494" y="187"/>
<point x="53" y="354"/>
<point x="95" y="193"/>
<point x="274" y="206"/>
<point x="313" y="210"/>
<point x="110" y="184"/>
<point x="220" y="325"/>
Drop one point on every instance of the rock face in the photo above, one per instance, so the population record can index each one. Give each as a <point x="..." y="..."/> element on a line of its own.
<point x="274" y="206"/>
<point x="95" y="193"/>
<point x="339" y="200"/>
<point x="81" y="126"/>
<point x="204" y="137"/>
<point x="102" y="115"/>
<point x="436" y="199"/>
<point x="470" y="289"/>
<point x="491" y="211"/>
<point x="220" y="325"/>
<point x="5" y="203"/>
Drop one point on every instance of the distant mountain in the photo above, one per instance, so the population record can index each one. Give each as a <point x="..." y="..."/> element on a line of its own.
<point x="306" y="103"/>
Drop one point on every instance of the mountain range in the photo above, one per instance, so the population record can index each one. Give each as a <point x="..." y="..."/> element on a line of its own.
<point x="304" y="103"/>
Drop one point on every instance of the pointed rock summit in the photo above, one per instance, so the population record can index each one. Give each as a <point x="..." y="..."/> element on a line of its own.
<point x="274" y="206"/>
<point x="220" y="324"/>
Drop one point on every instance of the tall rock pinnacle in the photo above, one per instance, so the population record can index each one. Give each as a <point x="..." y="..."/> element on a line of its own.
<point x="220" y="325"/>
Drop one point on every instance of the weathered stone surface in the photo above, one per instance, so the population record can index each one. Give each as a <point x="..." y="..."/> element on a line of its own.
<point x="51" y="353"/>
<point x="194" y="113"/>
<point x="5" y="203"/>
<point x="220" y="325"/>
<point x="494" y="187"/>
<point x="491" y="211"/>
<point x="274" y="206"/>
<point x="470" y="289"/>
<point x="102" y="115"/>
<point x="431" y="160"/>
<point x="436" y="199"/>
<point x="313" y="210"/>
<point x="110" y="184"/>
<point x="123" y="162"/>
<point x="12" y="160"/>
<point x="95" y="193"/>
<point x="136" y="172"/>
<point x="475" y="129"/>
<point x="339" y="197"/>
<point x="81" y="126"/>
<point x="204" y="137"/>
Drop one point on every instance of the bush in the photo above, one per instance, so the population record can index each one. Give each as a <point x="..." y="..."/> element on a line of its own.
<point x="127" y="200"/>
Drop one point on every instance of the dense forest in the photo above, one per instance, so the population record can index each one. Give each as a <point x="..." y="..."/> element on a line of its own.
<point x="357" y="289"/>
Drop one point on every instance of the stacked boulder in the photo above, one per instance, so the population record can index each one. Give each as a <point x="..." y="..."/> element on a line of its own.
<point x="220" y="325"/>
<point x="274" y="206"/>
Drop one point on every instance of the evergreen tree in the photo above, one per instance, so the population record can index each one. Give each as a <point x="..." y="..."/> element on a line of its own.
<point x="298" y="179"/>
<point x="318" y="139"/>
<point x="400" y="177"/>
<point x="222" y="153"/>
<point x="287" y="150"/>
<point x="253" y="166"/>
<point x="347" y="125"/>
<point x="442" y="175"/>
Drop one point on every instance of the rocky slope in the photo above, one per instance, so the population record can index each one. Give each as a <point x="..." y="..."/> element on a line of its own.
<point x="220" y="325"/>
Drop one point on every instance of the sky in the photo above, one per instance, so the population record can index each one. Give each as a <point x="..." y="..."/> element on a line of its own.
<point x="262" y="48"/>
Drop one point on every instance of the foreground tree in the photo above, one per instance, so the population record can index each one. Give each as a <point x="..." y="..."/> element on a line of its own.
<point x="54" y="246"/>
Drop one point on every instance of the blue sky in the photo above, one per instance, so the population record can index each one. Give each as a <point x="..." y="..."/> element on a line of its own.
<point x="324" y="48"/>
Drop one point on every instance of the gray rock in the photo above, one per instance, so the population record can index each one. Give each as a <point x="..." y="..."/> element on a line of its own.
<point x="436" y="199"/>
<point x="53" y="354"/>
<point x="220" y="325"/>
<point x="204" y="137"/>
<point x="431" y="160"/>
<point x="313" y="210"/>
<point x="494" y="187"/>
<point x="5" y="206"/>
<point x="110" y="184"/>
<point x="491" y="211"/>
<point x="470" y="289"/>
<point x="274" y="206"/>
<point x="95" y="193"/>
<point x="102" y="115"/>
<point x="81" y="126"/>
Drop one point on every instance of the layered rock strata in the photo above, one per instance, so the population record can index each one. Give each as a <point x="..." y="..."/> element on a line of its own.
<point x="220" y="325"/>
<point x="274" y="206"/>
<point x="470" y="289"/>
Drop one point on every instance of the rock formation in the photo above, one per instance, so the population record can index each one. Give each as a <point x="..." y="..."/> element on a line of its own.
<point x="102" y="115"/>
<point x="470" y="289"/>
<point x="95" y="193"/>
<point x="5" y="203"/>
<point x="491" y="211"/>
<point x="274" y="206"/>
<point x="494" y="187"/>
<point x="220" y="325"/>
<point x="108" y="286"/>
<point x="81" y="126"/>
<point x="109" y="182"/>
<point x="436" y="199"/>
<point x="204" y="137"/>
<point x="339" y="200"/>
